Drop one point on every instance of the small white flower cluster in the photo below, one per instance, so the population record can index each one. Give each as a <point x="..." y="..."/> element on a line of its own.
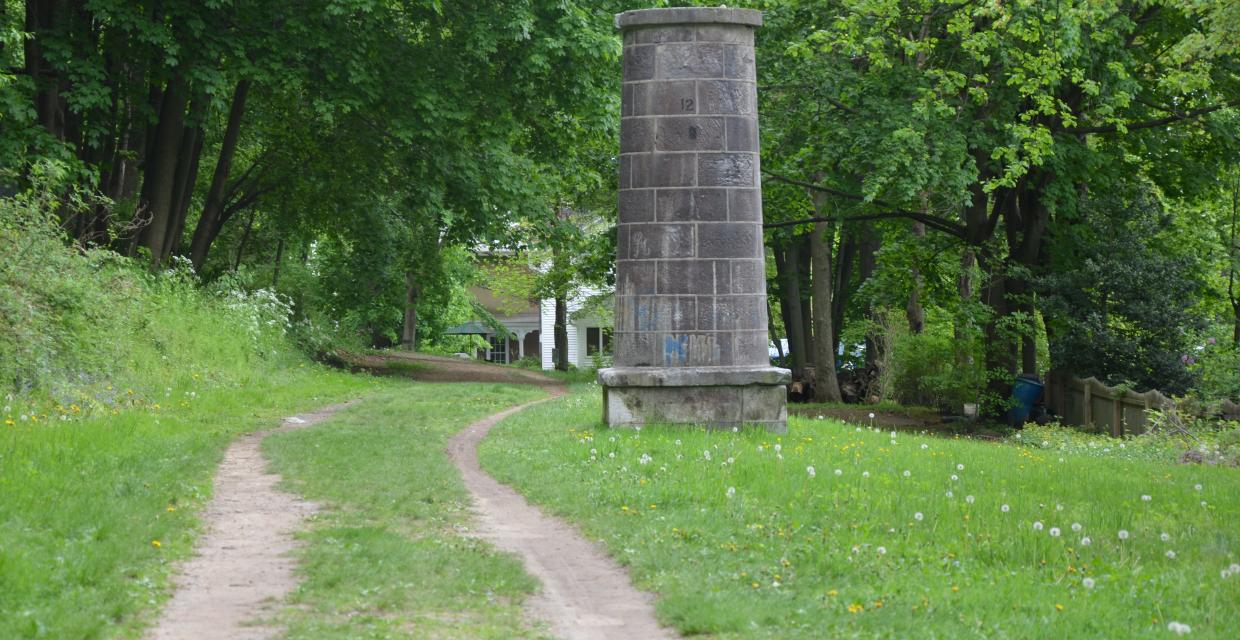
<point x="731" y="492"/>
<point x="645" y="459"/>
<point x="1178" y="628"/>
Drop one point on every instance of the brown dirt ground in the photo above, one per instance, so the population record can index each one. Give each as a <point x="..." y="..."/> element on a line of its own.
<point x="428" y="368"/>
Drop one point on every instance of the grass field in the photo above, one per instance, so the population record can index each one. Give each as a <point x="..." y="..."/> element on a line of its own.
<point x="94" y="510"/>
<point x="865" y="534"/>
<point x="388" y="558"/>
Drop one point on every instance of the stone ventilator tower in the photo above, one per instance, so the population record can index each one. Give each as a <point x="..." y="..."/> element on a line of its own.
<point x="691" y="317"/>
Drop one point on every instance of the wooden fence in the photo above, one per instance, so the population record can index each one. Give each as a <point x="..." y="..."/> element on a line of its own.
<point x="1091" y="404"/>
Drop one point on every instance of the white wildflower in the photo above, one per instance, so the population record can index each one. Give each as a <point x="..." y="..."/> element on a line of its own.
<point x="1178" y="628"/>
<point x="1146" y="498"/>
<point x="810" y="471"/>
<point x="968" y="499"/>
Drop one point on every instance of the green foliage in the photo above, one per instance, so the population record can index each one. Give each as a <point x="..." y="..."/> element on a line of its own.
<point x="1115" y="297"/>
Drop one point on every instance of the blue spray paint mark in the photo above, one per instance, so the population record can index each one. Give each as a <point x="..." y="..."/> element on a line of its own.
<point x="675" y="351"/>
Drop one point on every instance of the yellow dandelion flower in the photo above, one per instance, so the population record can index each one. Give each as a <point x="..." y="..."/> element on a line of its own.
<point x="1058" y="607"/>
<point x="832" y="593"/>
<point x="855" y="608"/>
<point x="157" y="544"/>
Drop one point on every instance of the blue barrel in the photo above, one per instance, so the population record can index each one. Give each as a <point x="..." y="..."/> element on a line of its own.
<point x="1025" y="391"/>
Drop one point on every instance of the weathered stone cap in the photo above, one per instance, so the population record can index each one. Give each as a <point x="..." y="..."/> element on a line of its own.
<point x="688" y="15"/>
<point x="692" y="376"/>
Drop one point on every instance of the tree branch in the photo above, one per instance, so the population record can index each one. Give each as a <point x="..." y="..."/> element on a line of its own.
<point x="932" y="222"/>
<point x="1149" y="124"/>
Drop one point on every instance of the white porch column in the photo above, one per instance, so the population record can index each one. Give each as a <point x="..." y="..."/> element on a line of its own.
<point x="521" y="344"/>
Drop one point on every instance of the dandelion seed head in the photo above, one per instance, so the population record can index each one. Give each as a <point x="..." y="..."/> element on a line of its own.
<point x="1085" y="542"/>
<point x="1088" y="583"/>
<point x="1037" y="525"/>
<point x="1146" y="498"/>
<point x="1164" y="536"/>
<point x="1123" y="534"/>
<point x="865" y="474"/>
<point x="1178" y="628"/>
<point x="1170" y="554"/>
<point x="1197" y="486"/>
<point x="949" y="493"/>
<point x="810" y="471"/>
<point x="968" y="499"/>
<point x="1005" y="508"/>
<point x="918" y="516"/>
<point x="839" y="472"/>
<point x="1076" y="526"/>
<point x="955" y="477"/>
<point x="881" y="551"/>
<point x="731" y="492"/>
<point x="959" y="467"/>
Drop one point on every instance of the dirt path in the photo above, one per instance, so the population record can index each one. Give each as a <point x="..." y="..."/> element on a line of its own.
<point x="585" y="594"/>
<point x="243" y="569"/>
<point x="428" y="368"/>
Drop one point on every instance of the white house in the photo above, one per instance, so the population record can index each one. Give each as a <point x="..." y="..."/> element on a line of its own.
<point x="532" y="326"/>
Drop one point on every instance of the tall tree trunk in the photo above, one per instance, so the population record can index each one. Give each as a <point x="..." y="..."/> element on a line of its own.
<point x="185" y="178"/>
<point x="245" y="237"/>
<point x="772" y="333"/>
<point x="867" y="263"/>
<point x="842" y="289"/>
<point x="803" y="270"/>
<point x="826" y="384"/>
<point x="275" y="271"/>
<point x="205" y="232"/>
<point x="561" y="333"/>
<point x="158" y="181"/>
<point x="42" y="17"/>
<point x="914" y="311"/>
<point x="409" y="336"/>
<point x="964" y="288"/>
<point x="787" y="263"/>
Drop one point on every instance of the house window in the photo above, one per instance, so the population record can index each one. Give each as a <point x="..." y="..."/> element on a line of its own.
<point x="598" y="339"/>
<point x="499" y="349"/>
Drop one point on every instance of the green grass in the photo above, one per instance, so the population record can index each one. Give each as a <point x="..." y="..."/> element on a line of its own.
<point x="82" y="500"/>
<point x="388" y="557"/>
<point x="791" y="555"/>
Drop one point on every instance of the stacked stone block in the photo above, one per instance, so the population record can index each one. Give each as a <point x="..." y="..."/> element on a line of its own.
<point x="691" y="286"/>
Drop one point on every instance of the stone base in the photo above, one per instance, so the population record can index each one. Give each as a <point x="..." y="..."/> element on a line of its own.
<point x="716" y="397"/>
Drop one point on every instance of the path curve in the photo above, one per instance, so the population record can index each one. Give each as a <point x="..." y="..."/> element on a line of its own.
<point x="585" y="594"/>
<point x="243" y="568"/>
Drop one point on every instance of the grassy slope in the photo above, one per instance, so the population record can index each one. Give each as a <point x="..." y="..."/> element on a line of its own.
<point x="790" y="555"/>
<point x="84" y="500"/>
<point x="120" y="389"/>
<point x="387" y="559"/>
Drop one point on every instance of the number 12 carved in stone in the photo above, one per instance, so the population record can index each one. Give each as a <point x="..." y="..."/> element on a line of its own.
<point x="686" y="104"/>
